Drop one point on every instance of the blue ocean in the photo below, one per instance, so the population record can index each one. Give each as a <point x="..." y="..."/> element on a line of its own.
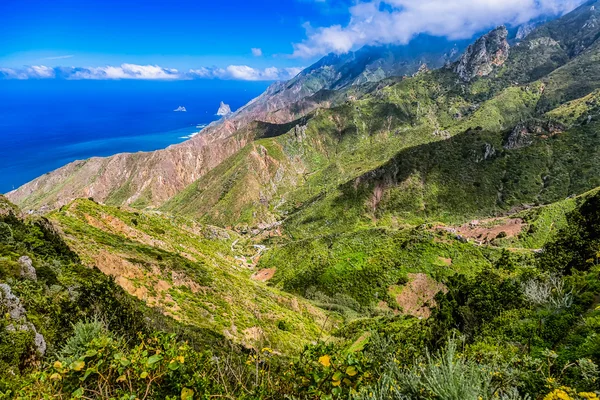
<point x="45" y="124"/>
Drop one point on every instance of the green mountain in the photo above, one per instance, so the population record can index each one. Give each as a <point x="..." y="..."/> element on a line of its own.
<point x="426" y="237"/>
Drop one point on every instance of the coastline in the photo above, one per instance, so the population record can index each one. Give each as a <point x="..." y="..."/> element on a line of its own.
<point x="55" y="156"/>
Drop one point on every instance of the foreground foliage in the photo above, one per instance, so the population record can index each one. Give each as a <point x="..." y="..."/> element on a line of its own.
<point x="514" y="330"/>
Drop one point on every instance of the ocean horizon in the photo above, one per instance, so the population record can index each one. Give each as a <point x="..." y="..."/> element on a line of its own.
<point x="46" y="124"/>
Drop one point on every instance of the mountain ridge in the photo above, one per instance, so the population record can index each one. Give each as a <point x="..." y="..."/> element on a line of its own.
<point x="339" y="246"/>
<point x="112" y="179"/>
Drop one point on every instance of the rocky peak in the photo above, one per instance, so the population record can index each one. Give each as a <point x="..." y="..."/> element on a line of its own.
<point x="224" y="110"/>
<point x="422" y="70"/>
<point x="524" y="30"/>
<point x="480" y="58"/>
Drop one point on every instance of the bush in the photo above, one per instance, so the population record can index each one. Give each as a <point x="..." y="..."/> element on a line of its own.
<point x="84" y="332"/>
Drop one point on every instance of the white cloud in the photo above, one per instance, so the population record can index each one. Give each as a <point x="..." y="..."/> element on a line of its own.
<point x="33" y="72"/>
<point x="149" y="72"/>
<point x="256" y="52"/>
<point x="127" y="71"/>
<point x="398" y="21"/>
<point x="202" y="72"/>
<point x="246" y="73"/>
<point x="41" y="71"/>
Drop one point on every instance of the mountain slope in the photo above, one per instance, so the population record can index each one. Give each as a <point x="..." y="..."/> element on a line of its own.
<point x="149" y="179"/>
<point x="276" y="176"/>
<point x="199" y="275"/>
<point x="369" y="233"/>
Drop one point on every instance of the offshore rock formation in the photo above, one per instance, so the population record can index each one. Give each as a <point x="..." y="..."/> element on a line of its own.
<point x="224" y="110"/>
<point x="484" y="55"/>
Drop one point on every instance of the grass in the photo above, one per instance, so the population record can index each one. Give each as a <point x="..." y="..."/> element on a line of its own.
<point x="189" y="271"/>
<point x="362" y="265"/>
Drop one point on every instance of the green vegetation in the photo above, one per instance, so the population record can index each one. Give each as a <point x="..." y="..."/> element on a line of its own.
<point x="195" y="273"/>
<point x="359" y="268"/>
<point x="508" y="330"/>
<point x="422" y="238"/>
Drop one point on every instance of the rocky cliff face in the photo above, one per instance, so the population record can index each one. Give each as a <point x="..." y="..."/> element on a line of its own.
<point x="525" y="133"/>
<point x="484" y="55"/>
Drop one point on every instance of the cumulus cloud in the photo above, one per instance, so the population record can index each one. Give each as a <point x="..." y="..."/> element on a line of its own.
<point x="127" y="71"/>
<point x="35" y="72"/>
<point x="398" y="21"/>
<point x="256" y="52"/>
<point x="149" y="72"/>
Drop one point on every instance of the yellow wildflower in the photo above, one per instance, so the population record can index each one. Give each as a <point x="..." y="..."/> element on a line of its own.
<point x="325" y="361"/>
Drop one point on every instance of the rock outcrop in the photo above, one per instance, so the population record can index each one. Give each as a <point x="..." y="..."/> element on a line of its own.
<point x="224" y="110"/>
<point x="11" y="303"/>
<point x="524" y="134"/>
<point x="480" y="58"/>
<point x="27" y="268"/>
<point x="524" y="30"/>
<point x="17" y="313"/>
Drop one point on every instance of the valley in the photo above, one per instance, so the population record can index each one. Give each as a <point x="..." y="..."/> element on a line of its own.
<point x="386" y="229"/>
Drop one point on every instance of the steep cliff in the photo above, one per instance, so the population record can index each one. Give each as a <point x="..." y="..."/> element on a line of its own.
<point x="488" y="52"/>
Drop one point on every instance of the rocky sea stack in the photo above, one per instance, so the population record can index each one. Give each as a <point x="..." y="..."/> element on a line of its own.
<point x="224" y="110"/>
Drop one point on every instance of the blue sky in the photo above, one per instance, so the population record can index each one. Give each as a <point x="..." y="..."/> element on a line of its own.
<point x="233" y="39"/>
<point x="177" y="34"/>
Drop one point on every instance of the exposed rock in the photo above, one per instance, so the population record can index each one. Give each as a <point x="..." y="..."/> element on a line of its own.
<point x="488" y="151"/>
<point x="524" y="30"/>
<point x="27" y="268"/>
<point x="441" y="133"/>
<point x="591" y="23"/>
<point x="180" y="109"/>
<point x="11" y="303"/>
<point x="422" y="69"/>
<point x="542" y="42"/>
<point x="523" y="134"/>
<point x="300" y="132"/>
<point x="224" y="110"/>
<point x="488" y="52"/>
<point x="39" y="341"/>
<point x="16" y="311"/>
<point x="519" y="137"/>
